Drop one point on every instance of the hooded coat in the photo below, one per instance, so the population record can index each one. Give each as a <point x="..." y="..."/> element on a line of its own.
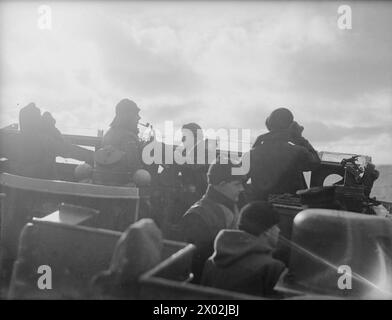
<point x="242" y="262"/>
<point x="138" y="250"/>
<point x="202" y="222"/>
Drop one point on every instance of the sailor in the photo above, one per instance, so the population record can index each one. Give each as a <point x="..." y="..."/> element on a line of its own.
<point x="216" y="210"/>
<point x="279" y="157"/>
<point x="139" y="249"/>
<point x="63" y="148"/>
<point x="194" y="173"/>
<point x="120" y="155"/>
<point x="34" y="153"/>
<point x="242" y="260"/>
<point x="49" y="126"/>
<point x="189" y="177"/>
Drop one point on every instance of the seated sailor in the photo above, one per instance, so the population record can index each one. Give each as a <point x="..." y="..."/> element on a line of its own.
<point x="120" y="155"/>
<point x="215" y="211"/>
<point x="138" y="250"/>
<point x="242" y="260"/>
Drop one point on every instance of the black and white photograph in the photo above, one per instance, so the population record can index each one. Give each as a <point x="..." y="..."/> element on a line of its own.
<point x="216" y="151"/>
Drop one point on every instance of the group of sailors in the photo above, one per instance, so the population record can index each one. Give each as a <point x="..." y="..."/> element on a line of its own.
<point x="231" y="223"/>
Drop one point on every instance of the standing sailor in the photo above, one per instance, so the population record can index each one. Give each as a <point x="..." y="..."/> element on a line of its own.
<point x="279" y="157"/>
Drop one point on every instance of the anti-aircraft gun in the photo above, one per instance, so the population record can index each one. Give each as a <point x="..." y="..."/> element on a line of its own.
<point x="351" y="193"/>
<point x="339" y="227"/>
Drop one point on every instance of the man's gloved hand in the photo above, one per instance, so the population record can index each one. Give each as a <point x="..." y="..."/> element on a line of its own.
<point x="296" y="130"/>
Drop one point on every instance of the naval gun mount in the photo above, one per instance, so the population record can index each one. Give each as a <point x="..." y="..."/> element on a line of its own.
<point x="335" y="232"/>
<point x="351" y="192"/>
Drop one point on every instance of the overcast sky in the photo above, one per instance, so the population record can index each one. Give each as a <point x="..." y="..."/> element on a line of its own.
<point x="221" y="64"/>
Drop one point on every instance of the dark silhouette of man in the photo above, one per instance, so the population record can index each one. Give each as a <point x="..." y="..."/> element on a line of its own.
<point x="34" y="153"/>
<point x="279" y="157"/>
<point x="243" y="259"/>
<point x="120" y="156"/>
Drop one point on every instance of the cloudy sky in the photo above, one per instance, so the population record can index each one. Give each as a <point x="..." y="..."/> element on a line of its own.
<point x="221" y="64"/>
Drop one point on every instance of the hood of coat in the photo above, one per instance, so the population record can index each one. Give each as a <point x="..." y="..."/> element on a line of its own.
<point x="232" y="245"/>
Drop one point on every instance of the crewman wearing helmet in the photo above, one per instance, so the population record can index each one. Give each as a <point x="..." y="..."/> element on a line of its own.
<point x="279" y="157"/>
<point x="120" y="156"/>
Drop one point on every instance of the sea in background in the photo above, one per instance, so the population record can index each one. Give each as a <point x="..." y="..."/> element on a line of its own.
<point x="382" y="188"/>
